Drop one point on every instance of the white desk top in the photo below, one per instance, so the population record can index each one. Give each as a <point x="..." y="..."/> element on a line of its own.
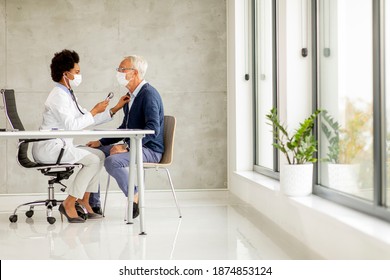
<point x="74" y="133"/>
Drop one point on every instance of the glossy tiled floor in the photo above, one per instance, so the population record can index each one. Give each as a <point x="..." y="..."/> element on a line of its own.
<point x="215" y="225"/>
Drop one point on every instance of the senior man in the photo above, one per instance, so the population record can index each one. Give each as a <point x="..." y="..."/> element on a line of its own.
<point x="145" y="110"/>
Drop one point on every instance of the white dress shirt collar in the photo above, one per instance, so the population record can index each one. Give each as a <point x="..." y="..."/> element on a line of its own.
<point x="138" y="88"/>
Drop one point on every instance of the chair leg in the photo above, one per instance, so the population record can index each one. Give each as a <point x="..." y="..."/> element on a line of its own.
<point x="50" y="203"/>
<point x="31" y="204"/>
<point x="29" y="213"/>
<point x="105" y="197"/>
<point x="173" y="192"/>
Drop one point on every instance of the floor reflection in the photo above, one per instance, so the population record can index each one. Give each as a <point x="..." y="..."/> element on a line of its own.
<point x="211" y="228"/>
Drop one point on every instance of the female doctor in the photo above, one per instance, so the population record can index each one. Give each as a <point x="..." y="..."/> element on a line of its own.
<point x="63" y="112"/>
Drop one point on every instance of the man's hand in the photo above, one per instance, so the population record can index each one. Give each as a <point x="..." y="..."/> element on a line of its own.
<point x="118" y="149"/>
<point x="94" y="144"/>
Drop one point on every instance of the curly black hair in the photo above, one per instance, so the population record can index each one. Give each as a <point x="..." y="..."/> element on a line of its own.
<point x="63" y="61"/>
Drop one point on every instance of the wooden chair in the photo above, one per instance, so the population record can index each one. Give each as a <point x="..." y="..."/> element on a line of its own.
<point x="166" y="160"/>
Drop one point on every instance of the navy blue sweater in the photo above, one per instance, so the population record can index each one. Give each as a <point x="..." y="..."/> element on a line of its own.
<point x="147" y="112"/>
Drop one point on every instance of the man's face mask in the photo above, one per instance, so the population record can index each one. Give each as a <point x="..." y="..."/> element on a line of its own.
<point x="121" y="78"/>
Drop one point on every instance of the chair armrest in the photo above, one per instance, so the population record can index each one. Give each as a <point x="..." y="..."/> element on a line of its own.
<point x="33" y="140"/>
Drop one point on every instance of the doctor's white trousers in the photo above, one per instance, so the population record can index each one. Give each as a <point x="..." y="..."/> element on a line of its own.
<point x="87" y="179"/>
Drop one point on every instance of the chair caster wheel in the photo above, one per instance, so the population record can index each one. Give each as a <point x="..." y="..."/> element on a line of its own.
<point x="13" y="218"/>
<point x="29" y="213"/>
<point x="51" y="220"/>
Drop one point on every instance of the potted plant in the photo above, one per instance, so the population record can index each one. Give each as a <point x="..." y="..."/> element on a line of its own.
<point x="296" y="177"/>
<point x="345" y="144"/>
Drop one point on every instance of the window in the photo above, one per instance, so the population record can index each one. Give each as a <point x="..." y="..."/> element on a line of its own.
<point x="386" y="70"/>
<point x="353" y="138"/>
<point x="265" y="90"/>
<point x="350" y="83"/>
<point x="345" y="82"/>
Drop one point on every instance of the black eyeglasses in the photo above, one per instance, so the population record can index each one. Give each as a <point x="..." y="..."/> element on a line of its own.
<point x="123" y="69"/>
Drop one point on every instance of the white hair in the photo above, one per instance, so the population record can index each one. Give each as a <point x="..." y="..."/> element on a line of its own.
<point x="139" y="63"/>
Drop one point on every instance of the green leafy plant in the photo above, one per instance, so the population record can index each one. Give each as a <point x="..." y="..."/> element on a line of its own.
<point x="331" y="130"/>
<point x="345" y="144"/>
<point x="298" y="148"/>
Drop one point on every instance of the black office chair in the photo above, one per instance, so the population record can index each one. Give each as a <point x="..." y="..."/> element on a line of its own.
<point x="58" y="171"/>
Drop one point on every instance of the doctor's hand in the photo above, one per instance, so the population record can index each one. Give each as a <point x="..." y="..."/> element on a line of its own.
<point x="118" y="149"/>
<point x="122" y="101"/>
<point x="100" y="107"/>
<point x="94" y="144"/>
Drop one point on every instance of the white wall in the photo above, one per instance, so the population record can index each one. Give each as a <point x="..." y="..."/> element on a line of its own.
<point x="239" y="91"/>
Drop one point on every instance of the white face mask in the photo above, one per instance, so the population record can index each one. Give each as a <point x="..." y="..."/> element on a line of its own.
<point x="77" y="79"/>
<point x="121" y="78"/>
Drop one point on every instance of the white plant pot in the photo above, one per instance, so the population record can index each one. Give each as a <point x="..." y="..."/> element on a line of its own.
<point x="344" y="177"/>
<point x="296" y="179"/>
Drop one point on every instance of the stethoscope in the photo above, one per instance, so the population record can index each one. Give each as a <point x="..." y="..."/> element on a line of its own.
<point x="75" y="101"/>
<point x="73" y="96"/>
<point x="109" y="96"/>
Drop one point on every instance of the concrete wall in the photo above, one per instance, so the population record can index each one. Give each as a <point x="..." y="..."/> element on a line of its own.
<point x="184" y="42"/>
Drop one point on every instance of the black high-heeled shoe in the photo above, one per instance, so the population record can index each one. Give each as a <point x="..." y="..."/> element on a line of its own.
<point x="83" y="212"/>
<point x="61" y="208"/>
<point x="94" y="216"/>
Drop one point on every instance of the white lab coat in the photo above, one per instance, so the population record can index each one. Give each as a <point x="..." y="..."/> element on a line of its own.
<point x="61" y="113"/>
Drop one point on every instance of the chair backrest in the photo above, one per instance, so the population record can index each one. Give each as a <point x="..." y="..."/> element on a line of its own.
<point x="10" y="109"/>
<point x="12" y="116"/>
<point x="169" y="139"/>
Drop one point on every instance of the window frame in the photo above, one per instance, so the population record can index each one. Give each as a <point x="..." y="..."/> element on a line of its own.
<point x="274" y="173"/>
<point x="377" y="207"/>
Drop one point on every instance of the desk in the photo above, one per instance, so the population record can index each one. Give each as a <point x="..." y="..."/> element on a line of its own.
<point x="135" y="136"/>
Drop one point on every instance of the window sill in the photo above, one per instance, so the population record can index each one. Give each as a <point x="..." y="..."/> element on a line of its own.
<point x="314" y="217"/>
